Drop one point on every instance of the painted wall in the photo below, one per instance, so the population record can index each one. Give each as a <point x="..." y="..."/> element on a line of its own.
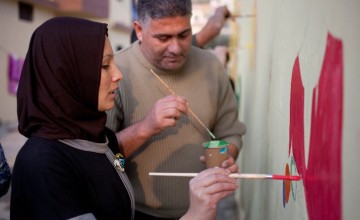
<point x="301" y="106"/>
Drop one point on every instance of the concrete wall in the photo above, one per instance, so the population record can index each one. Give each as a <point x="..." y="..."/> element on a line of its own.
<point x="14" y="38"/>
<point x="16" y="33"/>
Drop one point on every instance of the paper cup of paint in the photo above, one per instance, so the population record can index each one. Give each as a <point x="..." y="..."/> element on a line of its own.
<point x="215" y="152"/>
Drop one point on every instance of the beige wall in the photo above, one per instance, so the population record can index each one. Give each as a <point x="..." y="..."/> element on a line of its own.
<point x="15" y="37"/>
<point x="120" y="13"/>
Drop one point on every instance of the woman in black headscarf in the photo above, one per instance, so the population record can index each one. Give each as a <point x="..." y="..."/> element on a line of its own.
<point x="70" y="167"/>
<point x="65" y="169"/>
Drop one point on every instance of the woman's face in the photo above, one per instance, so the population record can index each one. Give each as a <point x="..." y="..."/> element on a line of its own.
<point x="110" y="76"/>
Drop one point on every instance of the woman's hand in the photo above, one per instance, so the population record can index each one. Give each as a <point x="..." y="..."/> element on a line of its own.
<point x="206" y="190"/>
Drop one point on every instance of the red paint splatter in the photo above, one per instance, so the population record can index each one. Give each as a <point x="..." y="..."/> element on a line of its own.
<point x="289" y="186"/>
<point x="322" y="177"/>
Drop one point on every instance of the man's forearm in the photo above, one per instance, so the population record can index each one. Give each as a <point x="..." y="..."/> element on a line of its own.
<point x="132" y="138"/>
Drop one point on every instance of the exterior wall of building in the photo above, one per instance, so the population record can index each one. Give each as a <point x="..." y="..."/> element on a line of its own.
<point x="16" y="33"/>
<point x="14" y="39"/>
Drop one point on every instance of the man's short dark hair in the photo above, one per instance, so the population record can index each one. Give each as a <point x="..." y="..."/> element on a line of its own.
<point x="156" y="9"/>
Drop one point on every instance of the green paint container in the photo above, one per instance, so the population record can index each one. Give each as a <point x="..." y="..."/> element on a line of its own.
<point x="215" y="152"/>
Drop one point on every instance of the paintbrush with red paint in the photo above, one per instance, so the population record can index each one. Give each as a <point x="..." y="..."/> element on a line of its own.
<point x="236" y="175"/>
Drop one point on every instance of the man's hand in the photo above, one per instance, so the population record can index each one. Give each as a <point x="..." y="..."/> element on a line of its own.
<point x="213" y="26"/>
<point x="165" y="113"/>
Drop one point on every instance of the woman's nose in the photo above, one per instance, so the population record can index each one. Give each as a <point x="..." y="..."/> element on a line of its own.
<point x="117" y="75"/>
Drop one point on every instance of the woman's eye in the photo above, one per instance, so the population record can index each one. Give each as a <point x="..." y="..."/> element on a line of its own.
<point x="105" y="66"/>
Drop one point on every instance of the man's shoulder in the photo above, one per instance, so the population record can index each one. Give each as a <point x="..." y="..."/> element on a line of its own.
<point x="125" y="50"/>
<point x="202" y="55"/>
<point x="125" y="56"/>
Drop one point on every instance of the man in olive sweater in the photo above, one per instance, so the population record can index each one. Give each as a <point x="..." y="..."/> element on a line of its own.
<point x="154" y="128"/>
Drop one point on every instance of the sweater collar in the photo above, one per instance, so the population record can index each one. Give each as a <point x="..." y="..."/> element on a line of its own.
<point x="142" y="59"/>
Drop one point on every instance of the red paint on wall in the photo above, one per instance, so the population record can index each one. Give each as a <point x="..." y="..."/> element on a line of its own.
<point x="296" y="130"/>
<point x="322" y="177"/>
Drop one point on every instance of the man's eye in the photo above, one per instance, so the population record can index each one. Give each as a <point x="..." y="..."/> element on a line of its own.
<point x="163" y="38"/>
<point x="183" y="36"/>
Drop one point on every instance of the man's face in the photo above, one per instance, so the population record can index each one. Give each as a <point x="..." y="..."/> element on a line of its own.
<point x="166" y="42"/>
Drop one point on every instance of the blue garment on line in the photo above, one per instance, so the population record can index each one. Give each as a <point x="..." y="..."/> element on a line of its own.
<point x="5" y="173"/>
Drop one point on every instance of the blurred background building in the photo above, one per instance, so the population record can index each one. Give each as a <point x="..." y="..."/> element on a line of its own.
<point x="18" y="20"/>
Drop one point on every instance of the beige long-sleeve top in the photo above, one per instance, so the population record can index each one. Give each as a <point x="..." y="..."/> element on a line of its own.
<point x="203" y="81"/>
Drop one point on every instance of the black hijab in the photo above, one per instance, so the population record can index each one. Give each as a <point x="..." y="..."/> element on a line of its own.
<point x="58" y="90"/>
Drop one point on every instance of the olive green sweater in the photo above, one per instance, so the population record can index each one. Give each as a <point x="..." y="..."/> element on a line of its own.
<point x="203" y="81"/>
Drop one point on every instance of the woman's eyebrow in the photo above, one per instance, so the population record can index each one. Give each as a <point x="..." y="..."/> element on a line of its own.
<point x="106" y="56"/>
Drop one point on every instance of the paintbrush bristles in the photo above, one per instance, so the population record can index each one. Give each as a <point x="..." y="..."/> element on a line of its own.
<point x="191" y="112"/>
